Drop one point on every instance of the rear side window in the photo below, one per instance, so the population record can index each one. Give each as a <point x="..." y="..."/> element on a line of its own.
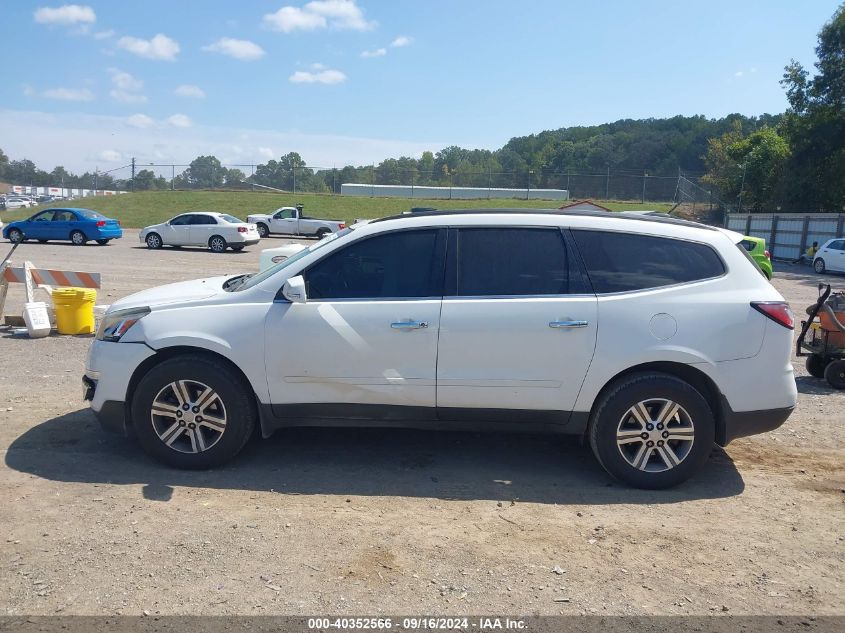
<point x="623" y="262"/>
<point x="495" y="262"/>
<point x="202" y="219"/>
<point x="748" y="245"/>
<point x="400" y="265"/>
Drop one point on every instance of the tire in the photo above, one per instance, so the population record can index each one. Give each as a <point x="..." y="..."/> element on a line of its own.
<point x="154" y="241"/>
<point x="103" y="242"/>
<point x="42" y="241"/>
<point x="77" y="238"/>
<point x="184" y="380"/>
<point x="614" y="418"/>
<point x="263" y="230"/>
<point x="816" y="364"/>
<point x="15" y="236"/>
<point x="321" y="233"/>
<point x="217" y="244"/>
<point x="835" y="374"/>
<point x="237" y="248"/>
<point x="819" y="266"/>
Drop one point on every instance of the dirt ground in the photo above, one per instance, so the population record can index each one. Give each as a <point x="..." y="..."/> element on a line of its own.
<point x="320" y="521"/>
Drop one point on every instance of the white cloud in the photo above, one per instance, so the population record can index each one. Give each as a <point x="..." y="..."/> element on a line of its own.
<point x="753" y="70"/>
<point x="140" y="121"/>
<point x="319" y="14"/>
<point x="402" y="40"/>
<point x="69" y="94"/>
<point x="321" y="77"/>
<point x="110" y="155"/>
<point x="127" y="89"/>
<point x="189" y="90"/>
<point x="379" y="52"/>
<point x="239" y="49"/>
<point x="738" y="73"/>
<point x="180" y="120"/>
<point x="103" y="35"/>
<point x="65" y="15"/>
<point x="266" y="152"/>
<point x="159" y="47"/>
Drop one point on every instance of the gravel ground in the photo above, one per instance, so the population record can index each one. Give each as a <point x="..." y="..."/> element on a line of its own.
<point x="318" y="521"/>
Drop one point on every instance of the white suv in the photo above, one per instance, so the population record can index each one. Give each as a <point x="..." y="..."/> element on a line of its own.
<point x="652" y="337"/>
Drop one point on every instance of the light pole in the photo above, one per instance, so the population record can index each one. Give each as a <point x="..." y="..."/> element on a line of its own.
<point x="742" y="185"/>
<point x="528" y="188"/>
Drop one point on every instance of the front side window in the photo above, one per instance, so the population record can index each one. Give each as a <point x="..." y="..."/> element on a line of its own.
<point x="838" y="245"/>
<point x="514" y="262"/>
<point x="623" y="262"/>
<point x="44" y="216"/>
<point x="182" y="220"/>
<point x="399" y="265"/>
<point x="284" y="214"/>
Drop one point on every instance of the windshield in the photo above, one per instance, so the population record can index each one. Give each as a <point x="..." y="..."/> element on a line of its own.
<point x="87" y="213"/>
<point x="257" y="278"/>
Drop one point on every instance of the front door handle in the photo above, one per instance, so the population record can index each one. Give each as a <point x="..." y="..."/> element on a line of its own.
<point x="409" y="325"/>
<point x="568" y="324"/>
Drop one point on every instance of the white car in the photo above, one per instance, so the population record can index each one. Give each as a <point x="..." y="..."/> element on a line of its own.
<point x="217" y="231"/>
<point x="651" y="337"/>
<point x="16" y="202"/>
<point x="830" y="257"/>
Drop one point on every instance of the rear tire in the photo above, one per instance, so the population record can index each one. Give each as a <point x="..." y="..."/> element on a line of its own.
<point x="263" y="230"/>
<point x="154" y="241"/>
<point x="42" y="241"/>
<point x="77" y="238"/>
<point x="816" y="364"/>
<point x="321" y="233"/>
<point x="217" y="244"/>
<point x="222" y="421"/>
<point x="237" y="248"/>
<point x="819" y="266"/>
<point x="100" y="242"/>
<point x="835" y="374"/>
<point x="675" y="418"/>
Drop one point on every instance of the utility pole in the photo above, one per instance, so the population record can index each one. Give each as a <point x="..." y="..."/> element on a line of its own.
<point x="528" y="185"/>
<point x="645" y="175"/>
<point x="173" y="178"/>
<point x="607" y="185"/>
<point x="133" y="174"/>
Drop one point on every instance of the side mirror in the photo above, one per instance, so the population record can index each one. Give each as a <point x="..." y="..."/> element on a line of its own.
<point x="294" y="290"/>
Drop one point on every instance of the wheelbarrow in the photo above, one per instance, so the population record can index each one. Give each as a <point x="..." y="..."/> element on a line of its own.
<point x="822" y="337"/>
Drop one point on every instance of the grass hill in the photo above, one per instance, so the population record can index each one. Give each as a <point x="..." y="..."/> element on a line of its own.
<point x="136" y="210"/>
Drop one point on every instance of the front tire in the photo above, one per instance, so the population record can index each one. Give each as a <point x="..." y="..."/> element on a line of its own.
<point x="15" y="236"/>
<point x="652" y="430"/>
<point x="217" y="244"/>
<point x="77" y="238"/>
<point x="819" y="266"/>
<point x="263" y="230"/>
<point x="193" y="412"/>
<point x="835" y="374"/>
<point x="154" y="241"/>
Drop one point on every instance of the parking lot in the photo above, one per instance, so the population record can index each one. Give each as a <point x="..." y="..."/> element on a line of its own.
<point x="388" y="521"/>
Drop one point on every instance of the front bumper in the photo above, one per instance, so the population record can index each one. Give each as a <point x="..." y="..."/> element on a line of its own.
<point x="107" y="377"/>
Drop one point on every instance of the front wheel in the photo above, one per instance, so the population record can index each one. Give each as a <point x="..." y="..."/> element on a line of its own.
<point x="15" y="236"/>
<point x="819" y="266"/>
<point x="103" y="242"/>
<point x="263" y="230"/>
<point x="193" y="412"/>
<point x="77" y="238"/>
<point x="652" y="430"/>
<point x="217" y="244"/>
<point x="154" y="241"/>
<point x="835" y="374"/>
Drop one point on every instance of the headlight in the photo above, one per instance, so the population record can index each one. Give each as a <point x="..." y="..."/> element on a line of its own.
<point x="115" y="324"/>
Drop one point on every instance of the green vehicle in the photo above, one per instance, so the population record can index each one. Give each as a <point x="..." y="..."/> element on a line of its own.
<point x="756" y="247"/>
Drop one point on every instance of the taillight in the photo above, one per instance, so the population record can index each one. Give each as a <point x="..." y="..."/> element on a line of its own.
<point x="777" y="311"/>
<point x="768" y="254"/>
<point x="242" y="229"/>
<point x="101" y="223"/>
<point x="341" y="226"/>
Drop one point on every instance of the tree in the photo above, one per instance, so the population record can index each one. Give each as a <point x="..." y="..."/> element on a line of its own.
<point x="144" y="180"/>
<point x="4" y="162"/>
<point x="204" y="172"/>
<point x="234" y="177"/>
<point x="815" y="121"/>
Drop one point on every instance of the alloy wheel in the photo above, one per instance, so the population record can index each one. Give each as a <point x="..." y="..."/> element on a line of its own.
<point x="655" y="435"/>
<point x="188" y="416"/>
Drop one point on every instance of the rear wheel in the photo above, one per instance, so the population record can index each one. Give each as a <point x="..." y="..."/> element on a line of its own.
<point x="237" y="247"/>
<point x="102" y="242"/>
<point x="321" y="233"/>
<point x="217" y="244"/>
<point x="263" y="230"/>
<point x="77" y="238"/>
<point x="15" y="236"/>
<point x="192" y="412"/>
<point x="652" y="430"/>
<point x="154" y="241"/>
<point x="819" y="266"/>
<point x="42" y="241"/>
<point x="816" y="364"/>
<point x="835" y="374"/>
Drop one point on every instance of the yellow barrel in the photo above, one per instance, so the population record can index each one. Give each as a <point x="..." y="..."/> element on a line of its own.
<point x="74" y="310"/>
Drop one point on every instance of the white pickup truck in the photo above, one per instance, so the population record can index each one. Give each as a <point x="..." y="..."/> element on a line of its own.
<point x="291" y="221"/>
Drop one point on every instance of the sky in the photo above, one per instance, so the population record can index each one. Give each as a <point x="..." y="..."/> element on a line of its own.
<point x="92" y="84"/>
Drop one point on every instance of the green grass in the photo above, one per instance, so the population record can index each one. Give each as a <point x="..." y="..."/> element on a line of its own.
<point x="136" y="210"/>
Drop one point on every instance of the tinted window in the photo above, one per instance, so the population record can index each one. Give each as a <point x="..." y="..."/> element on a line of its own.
<point x="203" y="219"/>
<point x="397" y="265"/>
<point x="182" y="220"/>
<point x="838" y="245"/>
<point x="44" y="216"/>
<point x="620" y="262"/>
<point x="508" y="261"/>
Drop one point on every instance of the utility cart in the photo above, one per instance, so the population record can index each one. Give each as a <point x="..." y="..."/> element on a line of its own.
<point x="822" y="337"/>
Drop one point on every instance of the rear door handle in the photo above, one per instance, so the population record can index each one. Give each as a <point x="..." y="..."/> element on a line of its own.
<point x="409" y="325"/>
<point x="567" y="324"/>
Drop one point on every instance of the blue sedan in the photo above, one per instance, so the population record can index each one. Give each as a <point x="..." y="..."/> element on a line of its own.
<point x="77" y="225"/>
